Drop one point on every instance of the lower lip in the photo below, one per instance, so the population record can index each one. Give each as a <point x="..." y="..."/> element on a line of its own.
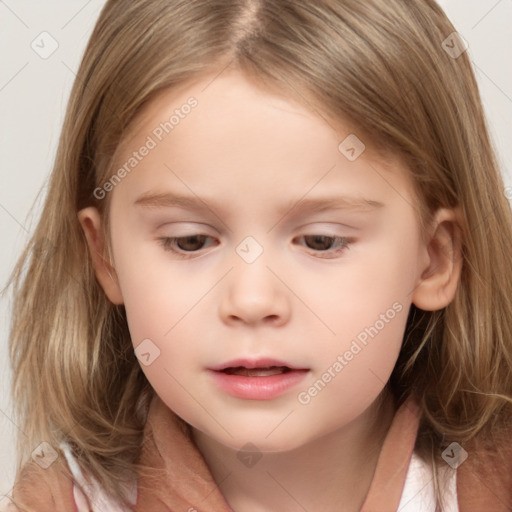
<point x="258" y="388"/>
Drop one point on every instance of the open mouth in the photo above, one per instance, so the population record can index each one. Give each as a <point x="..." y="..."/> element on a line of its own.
<point x="242" y="371"/>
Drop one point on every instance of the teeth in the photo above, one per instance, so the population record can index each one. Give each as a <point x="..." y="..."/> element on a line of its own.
<point x="256" y="372"/>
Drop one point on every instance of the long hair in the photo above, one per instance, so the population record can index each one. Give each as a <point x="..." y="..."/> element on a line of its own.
<point x="388" y="66"/>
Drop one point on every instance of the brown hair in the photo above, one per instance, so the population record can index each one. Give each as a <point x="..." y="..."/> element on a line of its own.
<point x="379" y="63"/>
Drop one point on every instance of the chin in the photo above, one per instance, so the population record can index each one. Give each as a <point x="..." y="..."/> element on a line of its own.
<point x="277" y="442"/>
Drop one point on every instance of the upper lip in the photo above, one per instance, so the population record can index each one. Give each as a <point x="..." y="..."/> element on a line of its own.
<point x="254" y="363"/>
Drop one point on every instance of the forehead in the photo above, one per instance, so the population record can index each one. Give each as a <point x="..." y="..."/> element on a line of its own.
<point x="217" y="95"/>
<point x="221" y="129"/>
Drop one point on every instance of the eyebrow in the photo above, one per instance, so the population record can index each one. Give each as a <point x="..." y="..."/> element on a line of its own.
<point x="310" y="205"/>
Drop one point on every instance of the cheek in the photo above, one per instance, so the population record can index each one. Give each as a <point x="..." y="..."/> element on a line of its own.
<point x="164" y="332"/>
<point x="372" y="286"/>
<point x="367" y="309"/>
<point x="353" y="376"/>
<point x="163" y="310"/>
<point x="156" y="291"/>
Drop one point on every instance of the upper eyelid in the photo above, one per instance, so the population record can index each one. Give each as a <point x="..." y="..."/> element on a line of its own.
<point x="298" y="220"/>
<point x="313" y="227"/>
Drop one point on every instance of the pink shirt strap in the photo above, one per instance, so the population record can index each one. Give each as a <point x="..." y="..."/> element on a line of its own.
<point x="181" y="479"/>
<point x="393" y="462"/>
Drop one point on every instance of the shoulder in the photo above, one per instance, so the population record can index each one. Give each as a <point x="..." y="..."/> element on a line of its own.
<point x="43" y="489"/>
<point x="61" y="487"/>
<point x="474" y="478"/>
<point x="89" y="495"/>
<point x="485" y="475"/>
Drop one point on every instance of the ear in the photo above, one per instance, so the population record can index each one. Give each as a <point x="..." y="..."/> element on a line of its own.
<point x="90" y="220"/>
<point x="443" y="255"/>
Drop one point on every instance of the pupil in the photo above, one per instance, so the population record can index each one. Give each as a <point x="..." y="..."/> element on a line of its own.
<point x="193" y="239"/>
<point x="319" y="238"/>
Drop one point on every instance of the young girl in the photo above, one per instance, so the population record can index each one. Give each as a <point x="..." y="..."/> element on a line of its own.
<point x="272" y="271"/>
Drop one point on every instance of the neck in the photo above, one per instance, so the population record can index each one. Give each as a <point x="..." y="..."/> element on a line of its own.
<point x="332" y="473"/>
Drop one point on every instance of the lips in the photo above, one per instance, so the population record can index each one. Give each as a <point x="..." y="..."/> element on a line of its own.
<point x="257" y="379"/>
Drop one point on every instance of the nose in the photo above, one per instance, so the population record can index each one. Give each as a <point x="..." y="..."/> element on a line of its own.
<point x="254" y="294"/>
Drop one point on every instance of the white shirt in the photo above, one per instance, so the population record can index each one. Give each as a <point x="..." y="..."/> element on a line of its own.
<point x="418" y="492"/>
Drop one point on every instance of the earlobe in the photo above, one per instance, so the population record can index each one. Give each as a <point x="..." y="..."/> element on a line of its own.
<point x="439" y="279"/>
<point x="90" y="220"/>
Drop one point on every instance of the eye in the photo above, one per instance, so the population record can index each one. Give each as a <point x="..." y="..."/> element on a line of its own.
<point x="324" y="244"/>
<point x="184" y="244"/>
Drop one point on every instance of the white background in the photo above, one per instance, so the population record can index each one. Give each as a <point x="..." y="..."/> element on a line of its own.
<point x="34" y="92"/>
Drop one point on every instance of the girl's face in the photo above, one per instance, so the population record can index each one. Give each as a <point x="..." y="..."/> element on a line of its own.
<point x="244" y="234"/>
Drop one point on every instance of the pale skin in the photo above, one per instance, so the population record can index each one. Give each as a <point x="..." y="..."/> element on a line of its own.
<point x="247" y="152"/>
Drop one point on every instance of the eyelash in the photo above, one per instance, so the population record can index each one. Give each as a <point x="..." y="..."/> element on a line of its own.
<point x="169" y="244"/>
